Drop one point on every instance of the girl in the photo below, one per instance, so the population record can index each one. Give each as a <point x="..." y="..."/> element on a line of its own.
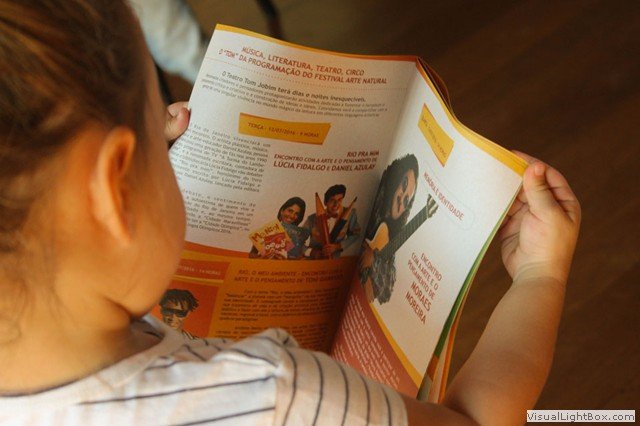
<point x="91" y="228"/>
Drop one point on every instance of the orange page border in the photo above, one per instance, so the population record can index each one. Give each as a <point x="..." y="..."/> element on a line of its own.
<point x="231" y="29"/>
<point x="503" y="155"/>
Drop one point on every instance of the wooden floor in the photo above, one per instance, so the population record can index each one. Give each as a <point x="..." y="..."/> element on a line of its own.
<point x="557" y="79"/>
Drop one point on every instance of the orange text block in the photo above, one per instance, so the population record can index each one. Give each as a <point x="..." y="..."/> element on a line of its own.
<point x="440" y="142"/>
<point x="291" y="131"/>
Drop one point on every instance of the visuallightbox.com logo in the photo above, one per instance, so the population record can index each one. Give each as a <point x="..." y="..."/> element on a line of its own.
<point x="582" y="416"/>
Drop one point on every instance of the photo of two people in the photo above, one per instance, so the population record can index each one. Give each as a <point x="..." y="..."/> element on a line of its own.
<point x="325" y="234"/>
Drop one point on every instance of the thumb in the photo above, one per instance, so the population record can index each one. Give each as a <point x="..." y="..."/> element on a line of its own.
<point x="176" y="124"/>
<point x="539" y="196"/>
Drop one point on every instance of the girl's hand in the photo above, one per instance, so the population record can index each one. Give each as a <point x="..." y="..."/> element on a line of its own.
<point x="176" y="122"/>
<point x="540" y="232"/>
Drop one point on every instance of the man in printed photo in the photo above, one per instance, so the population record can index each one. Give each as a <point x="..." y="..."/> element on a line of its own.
<point x="342" y="225"/>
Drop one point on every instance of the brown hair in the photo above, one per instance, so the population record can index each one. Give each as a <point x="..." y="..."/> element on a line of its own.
<point x="63" y="64"/>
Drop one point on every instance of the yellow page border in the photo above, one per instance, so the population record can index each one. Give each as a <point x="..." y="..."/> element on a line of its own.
<point x="498" y="152"/>
<point x="408" y="365"/>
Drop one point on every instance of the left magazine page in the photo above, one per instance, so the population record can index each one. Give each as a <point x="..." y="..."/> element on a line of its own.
<point x="278" y="170"/>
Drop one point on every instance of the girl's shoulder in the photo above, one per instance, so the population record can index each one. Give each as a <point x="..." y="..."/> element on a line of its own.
<point x="193" y="379"/>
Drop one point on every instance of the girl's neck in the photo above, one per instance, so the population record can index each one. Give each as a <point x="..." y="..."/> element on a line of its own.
<point x="48" y="348"/>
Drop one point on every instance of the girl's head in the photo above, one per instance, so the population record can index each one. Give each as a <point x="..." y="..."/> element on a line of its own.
<point x="87" y="194"/>
<point x="395" y="195"/>
<point x="400" y="187"/>
<point x="292" y="211"/>
<point x="402" y="197"/>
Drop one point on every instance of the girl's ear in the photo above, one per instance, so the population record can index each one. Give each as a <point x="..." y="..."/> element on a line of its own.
<point x="110" y="189"/>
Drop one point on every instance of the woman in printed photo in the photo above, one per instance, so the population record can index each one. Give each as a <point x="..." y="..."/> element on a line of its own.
<point x="290" y="216"/>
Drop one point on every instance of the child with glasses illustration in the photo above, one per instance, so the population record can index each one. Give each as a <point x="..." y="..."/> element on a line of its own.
<point x="175" y="306"/>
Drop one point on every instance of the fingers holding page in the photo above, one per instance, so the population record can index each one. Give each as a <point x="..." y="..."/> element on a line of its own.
<point x="177" y="120"/>
<point x="563" y="194"/>
<point x="545" y="189"/>
<point x="541" y="228"/>
<point x="176" y="107"/>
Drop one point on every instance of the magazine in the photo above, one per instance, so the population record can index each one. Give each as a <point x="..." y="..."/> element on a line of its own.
<point x="335" y="196"/>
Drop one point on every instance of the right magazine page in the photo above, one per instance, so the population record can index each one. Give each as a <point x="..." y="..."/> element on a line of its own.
<point x="441" y="198"/>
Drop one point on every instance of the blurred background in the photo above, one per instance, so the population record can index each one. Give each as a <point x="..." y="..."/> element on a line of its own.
<point x="559" y="80"/>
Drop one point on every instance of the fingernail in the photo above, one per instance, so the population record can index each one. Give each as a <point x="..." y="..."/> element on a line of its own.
<point x="538" y="169"/>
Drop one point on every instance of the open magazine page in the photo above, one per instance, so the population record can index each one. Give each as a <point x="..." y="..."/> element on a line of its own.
<point x="441" y="196"/>
<point x="278" y="170"/>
